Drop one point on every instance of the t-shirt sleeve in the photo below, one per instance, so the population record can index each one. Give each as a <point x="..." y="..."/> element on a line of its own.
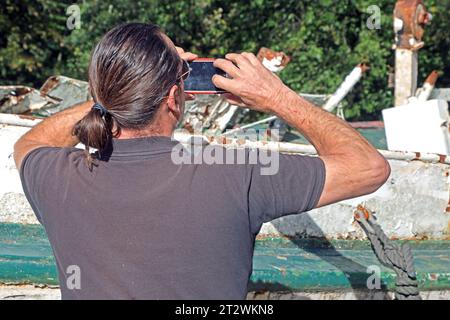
<point x="293" y="184"/>
<point x="38" y="174"/>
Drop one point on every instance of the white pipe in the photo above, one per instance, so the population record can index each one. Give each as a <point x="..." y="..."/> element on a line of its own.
<point x="345" y="87"/>
<point x="18" y="120"/>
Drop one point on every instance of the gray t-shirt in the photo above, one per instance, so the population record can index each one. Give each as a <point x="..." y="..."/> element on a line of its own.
<point x="141" y="226"/>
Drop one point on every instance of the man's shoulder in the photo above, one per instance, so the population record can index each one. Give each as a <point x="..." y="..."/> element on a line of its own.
<point x="47" y="154"/>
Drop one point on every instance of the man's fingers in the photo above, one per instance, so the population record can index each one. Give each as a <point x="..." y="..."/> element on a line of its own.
<point x="180" y="50"/>
<point x="227" y="66"/>
<point x="224" y="83"/>
<point x="252" y="58"/>
<point x="188" y="56"/>
<point x="238" y="59"/>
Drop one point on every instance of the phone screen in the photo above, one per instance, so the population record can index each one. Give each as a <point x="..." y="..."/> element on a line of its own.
<point x="200" y="77"/>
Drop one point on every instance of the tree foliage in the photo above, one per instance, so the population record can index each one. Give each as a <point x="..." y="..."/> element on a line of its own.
<point x="325" y="39"/>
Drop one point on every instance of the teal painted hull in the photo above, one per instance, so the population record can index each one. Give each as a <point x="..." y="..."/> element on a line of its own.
<point x="279" y="264"/>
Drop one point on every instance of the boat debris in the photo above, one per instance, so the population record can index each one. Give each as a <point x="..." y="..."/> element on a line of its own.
<point x="57" y="93"/>
<point x="347" y="85"/>
<point x="66" y="91"/>
<point x="22" y="99"/>
<point x="275" y="61"/>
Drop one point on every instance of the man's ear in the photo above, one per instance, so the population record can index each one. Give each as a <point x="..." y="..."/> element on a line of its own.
<point x="174" y="102"/>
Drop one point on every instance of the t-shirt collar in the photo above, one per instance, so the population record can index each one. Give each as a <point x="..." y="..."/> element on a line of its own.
<point x="143" y="146"/>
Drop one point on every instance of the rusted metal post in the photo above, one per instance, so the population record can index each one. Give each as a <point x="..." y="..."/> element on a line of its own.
<point x="410" y="17"/>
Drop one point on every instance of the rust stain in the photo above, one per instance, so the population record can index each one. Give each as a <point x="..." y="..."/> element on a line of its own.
<point x="189" y="128"/>
<point x="361" y="210"/>
<point x="442" y="158"/>
<point x="364" y="67"/>
<point x="49" y="85"/>
<point x="266" y="53"/>
<point x="21" y="116"/>
<point x="206" y="113"/>
<point x="432" y="78"/>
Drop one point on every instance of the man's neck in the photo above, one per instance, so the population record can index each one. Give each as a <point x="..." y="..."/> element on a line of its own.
<point x="146" y="132"/>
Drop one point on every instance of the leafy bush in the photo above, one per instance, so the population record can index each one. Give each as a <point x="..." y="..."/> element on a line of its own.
<point x="326" y="39"/>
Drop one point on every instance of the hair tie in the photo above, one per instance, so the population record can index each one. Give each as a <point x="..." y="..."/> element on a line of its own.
<point x="99" y="107"/>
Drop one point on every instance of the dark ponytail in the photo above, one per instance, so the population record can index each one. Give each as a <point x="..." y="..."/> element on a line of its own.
<point x="131" y="70"/>
<point x="96" y="130"/>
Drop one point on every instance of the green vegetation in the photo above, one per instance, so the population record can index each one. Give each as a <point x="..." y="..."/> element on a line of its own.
<point x="325" y="39"/>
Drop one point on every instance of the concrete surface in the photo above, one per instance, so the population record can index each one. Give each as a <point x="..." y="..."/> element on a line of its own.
<point x="29" y="292"/>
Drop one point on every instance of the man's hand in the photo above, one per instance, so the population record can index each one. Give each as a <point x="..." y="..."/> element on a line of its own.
<point x="251" y="82"/>
<point x="353" y="166"/>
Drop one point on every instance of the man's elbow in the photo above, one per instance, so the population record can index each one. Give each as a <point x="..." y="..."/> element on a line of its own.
<point x="378" y="172"/>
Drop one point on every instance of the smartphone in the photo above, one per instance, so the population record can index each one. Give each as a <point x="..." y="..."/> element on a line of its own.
<point x="199" y="80"/>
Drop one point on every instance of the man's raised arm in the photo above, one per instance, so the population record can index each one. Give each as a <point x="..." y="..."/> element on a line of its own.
<point x="353" y="166"/>
<point x="55" y="131"/>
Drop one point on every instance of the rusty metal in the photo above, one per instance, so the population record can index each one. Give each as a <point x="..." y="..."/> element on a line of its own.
<point x="65" y="91"/>
<point x="360" y="209"/>
<point x="275" y="61"/>
<point x="410" y="18"/>
<point x="424" y="93"/>
<point x="432" y="78"/>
